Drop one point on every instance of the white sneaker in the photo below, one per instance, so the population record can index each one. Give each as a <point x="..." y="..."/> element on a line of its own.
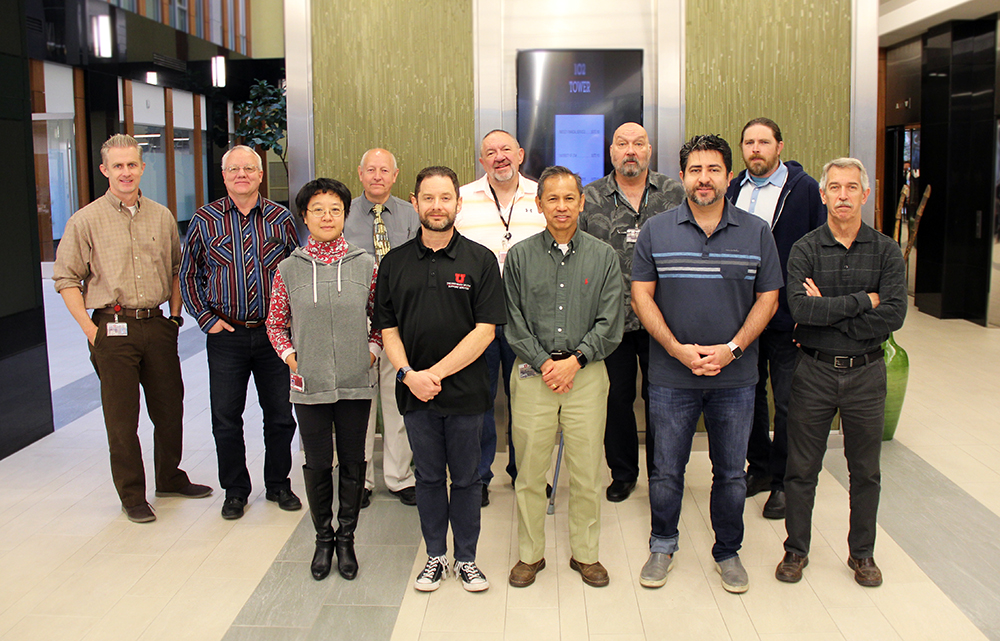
<point x="430" y="577"/>
<point x="473" y="580"/>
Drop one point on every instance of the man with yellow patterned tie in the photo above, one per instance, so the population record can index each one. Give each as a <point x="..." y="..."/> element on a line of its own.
<point x="378" y="222"/>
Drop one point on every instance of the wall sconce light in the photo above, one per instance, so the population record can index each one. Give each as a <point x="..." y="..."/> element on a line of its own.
<point x="218" y="71"/>
<point x="151" y="78"/>
<point x="100" y="27"/>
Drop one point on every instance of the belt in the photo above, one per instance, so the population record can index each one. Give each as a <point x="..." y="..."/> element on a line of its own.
<point x="138" y="314"/>
<point x="844" y="362"/>
<point x="251" y="324"/>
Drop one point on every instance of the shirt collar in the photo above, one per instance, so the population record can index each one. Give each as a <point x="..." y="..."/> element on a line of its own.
<point x="777" y="178"/>
<point x="729" y="216"/>
<point x="117" y="203"/>
<point x="386" y="207"/>
<point x="550" y="242"/>
<point x="865" y="235"/>
<point x="231" y="204"/>
<point x="451" y="250"/>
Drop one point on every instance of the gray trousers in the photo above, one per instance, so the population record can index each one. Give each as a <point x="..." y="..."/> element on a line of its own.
<point x="818" y="391"/>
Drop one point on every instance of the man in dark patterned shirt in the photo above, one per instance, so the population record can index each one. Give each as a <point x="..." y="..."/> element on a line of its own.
<point x="615" y="209"/>
<point x="233" y="249"/>
<point x="847" y="292"/>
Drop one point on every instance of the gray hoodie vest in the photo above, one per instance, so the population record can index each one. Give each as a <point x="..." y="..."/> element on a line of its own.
<point x="330" y="325"/>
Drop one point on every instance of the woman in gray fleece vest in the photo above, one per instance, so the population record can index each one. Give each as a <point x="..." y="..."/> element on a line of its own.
<point x="322" y="301"/>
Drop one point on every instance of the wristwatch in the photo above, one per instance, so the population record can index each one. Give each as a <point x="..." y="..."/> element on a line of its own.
<point x="735" y="349"/>
<point x="178" y="320"/>
<point x="580" y="358"/>
<point x="403" y="371"/>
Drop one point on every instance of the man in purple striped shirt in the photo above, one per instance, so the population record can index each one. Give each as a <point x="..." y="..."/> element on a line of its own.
<point x="233" y="249"/>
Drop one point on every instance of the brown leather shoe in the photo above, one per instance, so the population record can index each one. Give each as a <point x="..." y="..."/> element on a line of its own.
<point x="142" y="513"/>
<point x="189" y="491"/>
<point x="866" y="573"/>
<point x="790" y="568"/>
<point x="523" y="574"/>
<point x="593" y="574"/>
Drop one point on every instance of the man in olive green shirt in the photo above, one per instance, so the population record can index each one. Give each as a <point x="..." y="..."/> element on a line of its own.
<point x="120" y="256"/>
<point x="565" y="315"/>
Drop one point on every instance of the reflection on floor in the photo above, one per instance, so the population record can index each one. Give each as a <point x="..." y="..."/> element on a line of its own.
<point x="74" y="568"/>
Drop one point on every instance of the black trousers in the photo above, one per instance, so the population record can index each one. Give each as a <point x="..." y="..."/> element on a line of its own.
<point x="621" y="440"/>
<point x="818" y="391"/>
<point x="316" y="427"/>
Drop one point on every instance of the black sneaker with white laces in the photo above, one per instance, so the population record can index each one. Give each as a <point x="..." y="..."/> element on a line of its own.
<point x="430" y="577"/>
<point x="473" y="580"/>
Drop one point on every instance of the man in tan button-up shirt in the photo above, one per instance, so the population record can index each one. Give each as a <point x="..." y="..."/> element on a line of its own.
<point x="120" y="256"/>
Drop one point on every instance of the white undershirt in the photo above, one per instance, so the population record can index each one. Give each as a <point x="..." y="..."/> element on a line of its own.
<point x="759" y="201"/>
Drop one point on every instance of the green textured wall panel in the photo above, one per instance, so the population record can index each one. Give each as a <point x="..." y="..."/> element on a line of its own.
<point x="397" y="75"/>
<point x="788" y="60"/>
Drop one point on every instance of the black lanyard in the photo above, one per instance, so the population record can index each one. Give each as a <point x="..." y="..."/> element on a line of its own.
<point x="510" y="212"/>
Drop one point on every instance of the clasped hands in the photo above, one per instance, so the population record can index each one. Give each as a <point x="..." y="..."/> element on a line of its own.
<point x="558" y="375"/>
<point x="704" y="360"/>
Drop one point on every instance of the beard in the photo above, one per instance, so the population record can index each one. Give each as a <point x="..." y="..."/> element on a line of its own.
<point x="504" y="174"/>
<point x="692" y="194"/>
<point x="759" y="166"/>
<point x="444" y="225"/>
<point x="630" y="167"/>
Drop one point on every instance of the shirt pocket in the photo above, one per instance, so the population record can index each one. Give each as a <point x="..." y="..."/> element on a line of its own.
<point x="272" y="253"/>
<point x="220" y="250"/>
<point x="739" y="268"/>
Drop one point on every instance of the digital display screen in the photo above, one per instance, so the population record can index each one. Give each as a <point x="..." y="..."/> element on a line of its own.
<point x="569" y="104"/>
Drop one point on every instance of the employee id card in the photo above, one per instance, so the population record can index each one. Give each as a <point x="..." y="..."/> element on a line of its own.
<point x="525" y="370"/>
<point x="298" y="383"/>
<point x="117" y="329"/>
<point x="631" y="235"/>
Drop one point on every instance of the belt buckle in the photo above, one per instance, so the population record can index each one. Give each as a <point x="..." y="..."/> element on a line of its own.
<point x="143" y="314"/>
<point x="842" y="362"/>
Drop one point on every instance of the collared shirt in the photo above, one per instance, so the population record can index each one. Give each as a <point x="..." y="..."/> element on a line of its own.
<point x="226" y="251"/>
<point x="761" y="201"/>
<point x="705" y="287"/>
<point x="435" y="298"/>
<point x="483" y="221"/>
<point x="401" y="222"/>
<point x="608" y="215"/>
<point x="114" y="257"/>
<point x="842" y="321"/>
<point x="559" y="301"/>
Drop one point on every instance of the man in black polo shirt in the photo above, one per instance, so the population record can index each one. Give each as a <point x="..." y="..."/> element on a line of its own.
<point x="846" y="292"/>
<point x="439" y="301"/>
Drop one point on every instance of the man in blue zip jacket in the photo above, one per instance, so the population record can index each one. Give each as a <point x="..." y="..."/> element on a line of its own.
<point x="788" y="199"/>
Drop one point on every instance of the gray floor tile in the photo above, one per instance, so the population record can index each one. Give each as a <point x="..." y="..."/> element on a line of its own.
<point x="244" y="633"/>
<point x="287" y="596"/>
<point x="383" y="577"/>
<point x="370" y="623"/>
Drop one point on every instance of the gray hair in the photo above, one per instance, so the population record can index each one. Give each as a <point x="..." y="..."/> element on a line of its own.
<point x="844" y="163"/>
<point x="120" y="141"/>
<point x="225" y="156"/>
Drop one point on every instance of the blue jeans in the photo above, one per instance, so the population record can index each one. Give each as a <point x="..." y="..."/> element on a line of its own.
<point x="232" y="358"/>
<point x="499" y="358"/>
<point x="674" y="415"/>
<point x="442" y="445"/>
<point x="776" y="360"/>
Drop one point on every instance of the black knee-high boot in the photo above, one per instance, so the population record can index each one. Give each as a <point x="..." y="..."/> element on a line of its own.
<point x="352" y="485"/>
<point x="319" y="492"/>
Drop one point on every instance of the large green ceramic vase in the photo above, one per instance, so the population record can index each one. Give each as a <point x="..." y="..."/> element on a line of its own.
<point x="897" y="373"/>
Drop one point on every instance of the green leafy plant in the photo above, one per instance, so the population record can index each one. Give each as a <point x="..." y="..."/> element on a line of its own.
<point x="262" y="120"/>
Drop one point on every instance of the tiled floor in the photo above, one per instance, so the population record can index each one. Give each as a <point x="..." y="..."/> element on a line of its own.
<point x="72" y="567"/>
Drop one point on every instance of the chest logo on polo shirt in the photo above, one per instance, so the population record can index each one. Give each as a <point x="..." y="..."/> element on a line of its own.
<point x="459" y="283"/>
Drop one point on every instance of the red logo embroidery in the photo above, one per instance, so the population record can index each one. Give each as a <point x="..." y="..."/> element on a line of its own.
<point x="586" y="280"/>
<point x="459" y="278"/>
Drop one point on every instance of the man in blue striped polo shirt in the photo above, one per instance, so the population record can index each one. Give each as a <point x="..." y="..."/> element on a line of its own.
<point x="233" y="249"/>
<point x="705" y="281"/>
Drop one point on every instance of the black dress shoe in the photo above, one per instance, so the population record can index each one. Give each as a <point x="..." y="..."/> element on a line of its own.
<point x="774" y="508"/>
<point x="757" y="484"/>
<point x="486" y="495"/>
<point x="406" y="496"/>
<point x="285" y="499"/>
<point x="366" y="498"/>
<point x="189" y="491"/>
<point x="142" y="513"/>
<point x="232" y="509"/>
<point x="618" y="491"/>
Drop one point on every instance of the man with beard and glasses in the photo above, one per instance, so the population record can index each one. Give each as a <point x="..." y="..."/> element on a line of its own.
<point x="439" y="300"/>
<point x="498" y="210"/>
<point x="783" y="195"/>
<point x="615" y="209"/>
<point x="705" y="282"/>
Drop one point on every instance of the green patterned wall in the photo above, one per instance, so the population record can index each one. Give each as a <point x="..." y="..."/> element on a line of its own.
<point x="788" y="60"/>
<point x="397" y="75"/>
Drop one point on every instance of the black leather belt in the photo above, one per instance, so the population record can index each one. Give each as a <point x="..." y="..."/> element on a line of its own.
<point x="253" y="324"/>
<point x="844" y="362"/>
<point x="138" y="314"/>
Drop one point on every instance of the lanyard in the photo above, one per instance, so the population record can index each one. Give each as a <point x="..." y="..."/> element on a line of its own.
<point x="510" y="212"/>
<point x="645" y="201"/>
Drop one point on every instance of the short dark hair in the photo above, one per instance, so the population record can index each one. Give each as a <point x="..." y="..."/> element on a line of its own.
<point x="557" y="170"/>
<point x="709" y="142"/>
<point x="322" y="186"/>
<point x="767" y="122"/>
<point x="436" y="170"/>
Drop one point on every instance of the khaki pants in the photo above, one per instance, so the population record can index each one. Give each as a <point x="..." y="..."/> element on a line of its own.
<point x="538" y="412"/>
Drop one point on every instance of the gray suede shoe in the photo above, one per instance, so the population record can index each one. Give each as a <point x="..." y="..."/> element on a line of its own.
<point x="654" y="573"/>
<point x="734" y="575"/>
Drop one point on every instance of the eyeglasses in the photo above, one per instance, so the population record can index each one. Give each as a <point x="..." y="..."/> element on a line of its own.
<point x="249" y="169"/>
<point x="319" y="213"/>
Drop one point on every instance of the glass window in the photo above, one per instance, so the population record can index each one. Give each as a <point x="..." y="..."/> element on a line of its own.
<point x="184" y="171"/>
<point x="242" y="42"/>
<point x="199" y="18"/>
<point x="230" y="19"/>
<point x="153" y="9"/>
<point x="154" y="179"/>
<point x="62" y="173"/>
<point x="215" y="21"/>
